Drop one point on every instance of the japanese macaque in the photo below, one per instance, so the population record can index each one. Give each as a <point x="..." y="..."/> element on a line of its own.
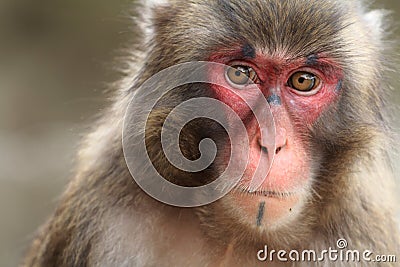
<point x="325" y="174"/>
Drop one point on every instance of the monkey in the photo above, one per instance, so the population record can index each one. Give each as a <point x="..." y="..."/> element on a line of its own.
<point x="306" y="81"/>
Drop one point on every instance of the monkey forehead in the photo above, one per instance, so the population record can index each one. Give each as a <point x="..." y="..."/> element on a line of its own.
<point x="294" y="28"/>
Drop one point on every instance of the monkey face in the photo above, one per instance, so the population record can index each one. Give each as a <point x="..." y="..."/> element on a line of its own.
<point x="297" y="92"/>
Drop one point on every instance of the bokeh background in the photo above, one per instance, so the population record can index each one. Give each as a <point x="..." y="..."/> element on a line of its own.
<point x="57" y="59"/>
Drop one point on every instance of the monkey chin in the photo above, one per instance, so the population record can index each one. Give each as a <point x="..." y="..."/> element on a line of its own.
<point x="266" y="211"/>
<point x="280" y="198"/>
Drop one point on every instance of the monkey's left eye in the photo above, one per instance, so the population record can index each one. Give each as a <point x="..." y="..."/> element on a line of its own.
<point x="239" y="75"/>
<point x="304" y="82"/>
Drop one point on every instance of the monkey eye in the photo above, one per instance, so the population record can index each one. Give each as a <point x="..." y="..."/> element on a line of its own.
<point x="240" y="75"/>
<point x="304" y="82"/>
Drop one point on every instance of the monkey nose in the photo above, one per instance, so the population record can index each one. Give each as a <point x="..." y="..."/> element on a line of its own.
<point x="280" y="142"/>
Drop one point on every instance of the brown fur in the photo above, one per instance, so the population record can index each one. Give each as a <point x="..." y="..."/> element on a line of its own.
<point x="104" y="219"/>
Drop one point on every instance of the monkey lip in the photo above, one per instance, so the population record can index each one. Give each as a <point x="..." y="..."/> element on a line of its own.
<point x="268" y="193"/>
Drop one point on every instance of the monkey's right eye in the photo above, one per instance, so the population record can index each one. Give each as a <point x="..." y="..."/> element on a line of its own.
<point x="239" y="75"/>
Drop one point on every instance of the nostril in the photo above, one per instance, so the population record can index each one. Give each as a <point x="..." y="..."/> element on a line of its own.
<point x="264" y="149"/>
<point x="281" y="140"/>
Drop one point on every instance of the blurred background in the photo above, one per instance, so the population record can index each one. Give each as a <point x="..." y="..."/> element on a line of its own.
<point x="57" y="58"/>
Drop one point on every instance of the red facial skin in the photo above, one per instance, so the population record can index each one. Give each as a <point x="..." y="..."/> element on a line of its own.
<point x="286" y="185"/>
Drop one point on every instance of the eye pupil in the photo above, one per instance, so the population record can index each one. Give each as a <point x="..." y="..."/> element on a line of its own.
<point x="301" y="80"/>
<point x="238" y="73"/>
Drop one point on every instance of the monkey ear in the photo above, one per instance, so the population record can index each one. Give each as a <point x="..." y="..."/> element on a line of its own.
<point x="375" y="23"/>
<point x="152" y="3"/>
<point x="374" y="20"/>
<point x="146" y="16"/>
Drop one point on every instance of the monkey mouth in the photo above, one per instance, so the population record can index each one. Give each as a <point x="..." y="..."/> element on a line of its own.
<point x="267" y="193"/>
